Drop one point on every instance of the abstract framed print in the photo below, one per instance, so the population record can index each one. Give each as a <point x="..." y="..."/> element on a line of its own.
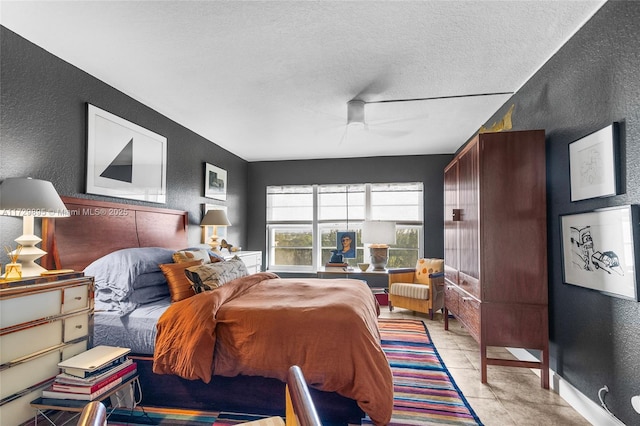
<point x="124" y="160"/>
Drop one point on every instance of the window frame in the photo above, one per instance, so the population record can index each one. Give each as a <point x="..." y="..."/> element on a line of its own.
<point x="316" y="226"/>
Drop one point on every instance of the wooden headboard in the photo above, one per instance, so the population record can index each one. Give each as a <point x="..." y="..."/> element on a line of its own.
<point x="96" y="228"/>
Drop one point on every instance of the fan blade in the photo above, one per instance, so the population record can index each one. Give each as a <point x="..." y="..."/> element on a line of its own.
<point x="344" y="135"/>
<point x="470" y="95"/>
<point x="399" y="120"/>
<point x="389" y="133"/>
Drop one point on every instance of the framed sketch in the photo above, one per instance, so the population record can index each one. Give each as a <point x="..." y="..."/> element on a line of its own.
<point x="592" y="164"/>
<point x="346" y="244"/>
<point x="215" y="182"/>
<point x="599" y="250"/>
<point x="124" y="160"/>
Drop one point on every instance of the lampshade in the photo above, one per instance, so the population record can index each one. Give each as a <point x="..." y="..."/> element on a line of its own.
<point x="215" y="218"/>
<point x="378" y="232"/>
<point x="30" y="198"/>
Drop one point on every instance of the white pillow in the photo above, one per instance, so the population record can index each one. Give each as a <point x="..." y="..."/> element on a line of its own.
<point x="191" y="255"/>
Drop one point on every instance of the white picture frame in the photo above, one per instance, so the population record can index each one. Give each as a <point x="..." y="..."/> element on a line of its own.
<point x="215" y="182"/>
<point x="599" y="250"/>
<point x="124" y="160"/>
<point x="592" y="165"/>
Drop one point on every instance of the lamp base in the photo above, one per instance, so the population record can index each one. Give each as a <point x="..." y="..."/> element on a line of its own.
<point x="29" y="253"/>
<point x="214" y="243"/>
<point x="379" y="257"/>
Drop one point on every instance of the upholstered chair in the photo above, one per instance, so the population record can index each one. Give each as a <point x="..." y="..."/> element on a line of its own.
<point x="424" y="293"/>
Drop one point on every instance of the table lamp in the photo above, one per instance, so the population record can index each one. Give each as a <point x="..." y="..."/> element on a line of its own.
<point x="379" y="234"/>
<point x="30" y="198"/>
<point x="215" y="218"/>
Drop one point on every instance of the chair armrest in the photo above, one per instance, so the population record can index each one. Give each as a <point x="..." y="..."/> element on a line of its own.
<point x="436" y="274"/>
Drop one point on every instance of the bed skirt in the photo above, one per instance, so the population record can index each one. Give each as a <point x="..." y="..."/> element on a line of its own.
<point x="241" y="394"/>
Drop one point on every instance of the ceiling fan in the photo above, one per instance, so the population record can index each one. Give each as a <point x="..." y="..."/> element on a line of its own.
<point x="356" y="115"/>
<point x="356" y="122"/>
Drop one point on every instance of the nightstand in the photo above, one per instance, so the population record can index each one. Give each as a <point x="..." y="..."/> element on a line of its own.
<point x="377" y="280"/>
<point x="43" y="320"/>
<point x="251" y="259"/>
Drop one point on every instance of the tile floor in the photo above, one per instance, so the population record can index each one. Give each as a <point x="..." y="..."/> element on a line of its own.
<point x="512" y="396"/>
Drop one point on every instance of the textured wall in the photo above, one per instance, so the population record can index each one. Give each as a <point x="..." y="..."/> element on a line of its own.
<point x="427" y="169"/>
<point x="591" y="82"/>
<point x="43" y="135"/>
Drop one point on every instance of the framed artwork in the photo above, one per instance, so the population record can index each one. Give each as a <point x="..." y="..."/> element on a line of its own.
<point x="215" y="182"/>
<point x="599" y="251"/>
<point x="207" y="231"/>
<point x="124" y="160"/>
<point x="346" y="244"/>
<point x="592" y="164"/>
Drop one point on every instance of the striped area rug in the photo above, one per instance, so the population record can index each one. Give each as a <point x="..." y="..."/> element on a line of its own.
<point x="424" y="391"/>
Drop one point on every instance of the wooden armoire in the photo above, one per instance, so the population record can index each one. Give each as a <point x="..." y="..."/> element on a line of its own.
<point x="496" y="245"/>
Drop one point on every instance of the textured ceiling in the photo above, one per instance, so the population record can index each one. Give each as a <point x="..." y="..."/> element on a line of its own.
<point x="270" y="80"/>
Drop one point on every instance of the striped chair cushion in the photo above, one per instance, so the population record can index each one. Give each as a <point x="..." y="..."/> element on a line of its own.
<point x="414" y="291"/>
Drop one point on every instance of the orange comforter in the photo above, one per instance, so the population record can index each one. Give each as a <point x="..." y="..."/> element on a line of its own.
<point x="261" y="325"/>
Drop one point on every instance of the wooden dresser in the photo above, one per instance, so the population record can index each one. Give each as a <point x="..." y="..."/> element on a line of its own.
<point x="43" y="320"/>
<point x="496" y="245"/>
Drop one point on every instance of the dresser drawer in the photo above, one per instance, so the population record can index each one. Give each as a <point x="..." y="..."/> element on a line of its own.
<point x="29" y="373"/>
<point x="75" y="349"/>
<point x="451" y="298"/>
<point x="75" y="298"/>
<point x="31" y="307"/>
<point x="16" y="411"/>
<point x="469" y="314"/>
<point x="76" y="326"/>
<point x="30" y="340"/>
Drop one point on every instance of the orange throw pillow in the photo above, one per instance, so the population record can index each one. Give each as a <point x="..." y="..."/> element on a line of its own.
<point x="179" y="286"/>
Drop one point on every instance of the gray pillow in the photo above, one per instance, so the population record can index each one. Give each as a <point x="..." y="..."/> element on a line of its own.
<point x="213" y="275"/>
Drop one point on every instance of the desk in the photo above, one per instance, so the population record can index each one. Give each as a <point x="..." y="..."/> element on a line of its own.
<point x="71" y="405"/>
<point x="378" y="280"/>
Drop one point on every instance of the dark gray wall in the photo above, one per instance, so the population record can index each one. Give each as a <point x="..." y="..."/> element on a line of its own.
<point x="427" y="169"/>
<point x="43" y="135"/>
<point x="592" y="81"/>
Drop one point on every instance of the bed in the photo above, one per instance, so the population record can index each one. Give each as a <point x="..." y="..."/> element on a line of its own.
<point x="314" y="313"/>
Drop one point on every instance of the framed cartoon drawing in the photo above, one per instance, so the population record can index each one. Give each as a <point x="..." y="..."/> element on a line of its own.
<point x="599" y="250"/>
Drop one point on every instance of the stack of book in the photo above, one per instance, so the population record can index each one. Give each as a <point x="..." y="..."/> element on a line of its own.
<point x="336" y="266"/>
<point x="91" y="374"/>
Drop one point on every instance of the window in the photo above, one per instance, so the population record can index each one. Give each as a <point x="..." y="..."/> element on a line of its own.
<point x="303" y="222"/>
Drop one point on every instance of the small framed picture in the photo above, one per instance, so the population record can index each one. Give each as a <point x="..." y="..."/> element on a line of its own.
<point x="215" y="182"/>
<point x="599" y="250"/>
<point x="346" y="244"/>
<point x="592" y="164"/>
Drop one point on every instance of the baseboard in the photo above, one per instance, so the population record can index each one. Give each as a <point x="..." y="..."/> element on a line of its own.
<point x="589" y="409"/>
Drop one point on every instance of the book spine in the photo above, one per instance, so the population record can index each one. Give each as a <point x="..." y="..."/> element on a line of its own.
<point x="78" y="372"/>
<point x="50" y="393"/>
<point x="93" y="388"/>
<point x="77" y="381"/>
